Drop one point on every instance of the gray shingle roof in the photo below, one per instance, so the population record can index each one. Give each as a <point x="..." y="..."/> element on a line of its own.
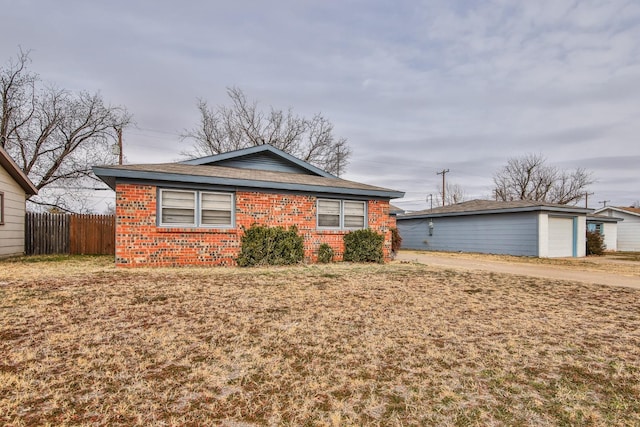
<point x="179" y="172"/>
<point x="491" y="206"/>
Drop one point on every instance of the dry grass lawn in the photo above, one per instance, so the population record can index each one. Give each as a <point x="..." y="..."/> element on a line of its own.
<point x="83" y="343"/>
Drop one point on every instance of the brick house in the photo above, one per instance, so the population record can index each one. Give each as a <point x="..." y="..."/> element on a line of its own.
<point x="194" y="212"/>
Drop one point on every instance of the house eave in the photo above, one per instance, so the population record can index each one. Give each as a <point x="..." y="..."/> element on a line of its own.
<point x="16" y="173"/>
<point x="601" y="218"/>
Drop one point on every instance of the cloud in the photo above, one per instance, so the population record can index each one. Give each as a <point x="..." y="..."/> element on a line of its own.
<point x="415" y="86"/>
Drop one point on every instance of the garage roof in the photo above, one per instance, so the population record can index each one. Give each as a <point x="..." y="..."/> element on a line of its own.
<point x="484" y="207"/>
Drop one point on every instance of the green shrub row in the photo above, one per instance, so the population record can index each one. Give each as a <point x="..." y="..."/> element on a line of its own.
<point x="263" y="245"/>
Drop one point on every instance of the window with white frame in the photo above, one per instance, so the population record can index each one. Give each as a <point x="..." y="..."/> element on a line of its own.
<point x="195" y="208"/>
<point x="341" y="214"/>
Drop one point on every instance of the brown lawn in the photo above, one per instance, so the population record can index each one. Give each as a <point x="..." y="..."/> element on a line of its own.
<point x="84" y="343"/>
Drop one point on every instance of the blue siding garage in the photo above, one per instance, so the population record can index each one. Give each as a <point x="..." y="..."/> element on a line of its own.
<point x="521" y="228"/>
<point x="515" y="234"/>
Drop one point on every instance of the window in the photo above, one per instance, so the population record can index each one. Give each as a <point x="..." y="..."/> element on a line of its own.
<point x="195" y="208"/>
<point x="353" y="214"/>
<point x="341" y="214"/>
<point x="595" y="227"/>
<point x="216" y="209"/>
<point x="329" y="213"/>
<point x="1" y="208"/>
<point x="178" y="207"/>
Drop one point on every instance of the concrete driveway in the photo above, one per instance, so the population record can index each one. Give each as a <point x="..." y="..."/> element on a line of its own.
<point x="630" y="277"/>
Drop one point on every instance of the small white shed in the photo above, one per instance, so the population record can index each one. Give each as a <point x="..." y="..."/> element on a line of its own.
<point x="628" y="234"/>
<point x="15" y="188"/>
<point x="525" y="228"/>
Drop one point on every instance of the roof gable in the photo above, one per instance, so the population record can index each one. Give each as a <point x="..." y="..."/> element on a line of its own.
<point x="619" y="209"/>
<point x="16" y="173"/>
<point x="260" y="157"/>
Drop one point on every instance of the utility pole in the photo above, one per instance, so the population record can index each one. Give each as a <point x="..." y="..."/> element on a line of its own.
<point x="430" y="198"/>
<point x="443" y="173"/>
<point x="117" y="147"/>
<point x="586" y="199"/>
<point x="604" y="203"/>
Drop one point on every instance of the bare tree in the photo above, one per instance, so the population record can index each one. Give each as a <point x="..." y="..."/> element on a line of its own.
<point x="530" y="178"/>
<point x="454" y="194"/>
<point x="55" y="136"/>
<point x="243" y="124"/>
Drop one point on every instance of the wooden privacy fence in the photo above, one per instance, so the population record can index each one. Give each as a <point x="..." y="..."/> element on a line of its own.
<point x="73" y="234"/>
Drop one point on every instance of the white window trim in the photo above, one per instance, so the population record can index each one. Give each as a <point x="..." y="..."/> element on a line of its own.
<point x="197" y="210"/>
<point x="342" y="226"/>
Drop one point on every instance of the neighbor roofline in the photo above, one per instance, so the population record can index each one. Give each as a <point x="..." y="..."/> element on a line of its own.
<point x="16" y="173"/>
<point x="110" y="176"/>
<point x="614" y="208"/>
<point x="258" y="149"/>
<point x="603" y="218"/>
<point x="537" y="208"/>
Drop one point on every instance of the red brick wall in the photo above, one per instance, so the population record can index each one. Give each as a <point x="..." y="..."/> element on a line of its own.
<point x="140" y="242"/>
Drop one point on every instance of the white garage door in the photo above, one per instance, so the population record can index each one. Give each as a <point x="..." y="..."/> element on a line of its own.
<point x="560" y="237"/>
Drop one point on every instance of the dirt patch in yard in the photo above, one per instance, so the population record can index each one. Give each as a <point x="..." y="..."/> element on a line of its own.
<point x="401" y="344"/>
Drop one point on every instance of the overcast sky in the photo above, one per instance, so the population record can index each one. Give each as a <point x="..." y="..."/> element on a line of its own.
<point x="415" y="87"/>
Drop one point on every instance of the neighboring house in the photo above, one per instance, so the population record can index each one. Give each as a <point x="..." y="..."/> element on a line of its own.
<point x="515" y="228"/>
<point x="608" y="227"/>
<point x="195" y="212"/>
<point x="395" y="211"/>
<point x="628" y="230"/>
<point x="15" y="188"/>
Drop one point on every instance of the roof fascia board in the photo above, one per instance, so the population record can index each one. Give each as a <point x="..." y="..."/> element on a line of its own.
<point x="16" y="173"/>
<point x="603" y="219"/>
<point x="235" y="182"/>
<point x="259" y="149"/>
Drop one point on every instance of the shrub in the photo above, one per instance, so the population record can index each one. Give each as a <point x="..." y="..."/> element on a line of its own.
<point x="396" y="240"/>
<point x="270" y="246"/>
<point x="363" y="246"/>
<point x="595" y="243"/>
<point x="325" y="253"/>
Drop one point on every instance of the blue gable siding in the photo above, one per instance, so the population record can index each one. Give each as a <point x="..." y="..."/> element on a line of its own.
<point x="261" y="157"/>
<point x="262" y="161"/>
<point x="514" y="233"/>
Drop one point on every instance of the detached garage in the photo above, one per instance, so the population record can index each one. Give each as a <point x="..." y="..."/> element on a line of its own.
<point x="523" y="228"/>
